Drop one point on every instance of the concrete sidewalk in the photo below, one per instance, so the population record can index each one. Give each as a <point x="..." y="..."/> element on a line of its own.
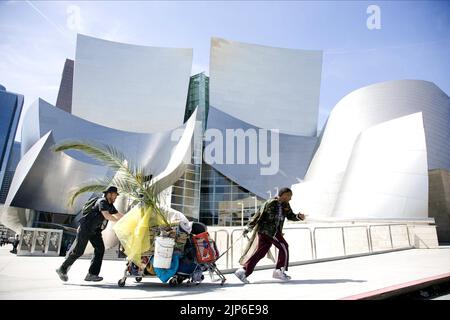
<point x="35" y="278"/>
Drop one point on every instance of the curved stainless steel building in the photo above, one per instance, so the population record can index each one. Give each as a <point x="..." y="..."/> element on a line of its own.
<point x="149" y="149"/>
<point x="44" y="179"/>
<point x="377" y="103"/>
<point x="376" y="147"/>
<point x="280" y="159"/>
<point x="272" y="96"/>
<point x="353" y="115"/>
<point x="268" y="87"/>
<point x="387" y="175"/>
<point x="113" y="82"/>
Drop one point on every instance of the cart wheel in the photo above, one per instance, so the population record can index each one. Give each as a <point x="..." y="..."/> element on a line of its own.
<point x="138" y="279"/>
<point x="179" y="280"/>
<point x="173" y="282"/>
<point x="121" y="282"/>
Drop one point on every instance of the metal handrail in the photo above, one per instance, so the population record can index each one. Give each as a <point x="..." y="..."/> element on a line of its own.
<point x="232" y="245"/>
<point x="369" y="245"/>
<point x="228" y="241"/>
<point x="409" y="238"/>
<point x="386" y="224"/>
<point x="390" y="231"/>
<point x="343" y="237"/>
<point x="307" y="228"/>
<point x="390" y="237"/>
<point x="330" y="227"/>
<point x="369" y="239"/>
<point x="231" y="237"/>
<point x="343" y="240"/>
<point x="310" y="237"/>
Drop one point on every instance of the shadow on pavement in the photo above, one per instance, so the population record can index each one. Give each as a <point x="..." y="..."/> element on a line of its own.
<point x="310" y="281"/>
<point x="180" y="290"/>
<point x="191" y="289"/>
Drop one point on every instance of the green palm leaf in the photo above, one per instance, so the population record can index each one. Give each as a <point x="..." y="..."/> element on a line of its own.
<point x="94" y="187"/>
<point x="108" y="155"/>
<point x="131" y="179"/>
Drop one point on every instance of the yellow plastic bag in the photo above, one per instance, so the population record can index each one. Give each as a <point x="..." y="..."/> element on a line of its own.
<point x="133" y="232"/>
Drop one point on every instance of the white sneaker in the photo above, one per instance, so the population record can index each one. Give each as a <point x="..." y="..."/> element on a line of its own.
<point x="240" y="273"/>
<point x="286" y="275"/>
<point x="279" y="274"/>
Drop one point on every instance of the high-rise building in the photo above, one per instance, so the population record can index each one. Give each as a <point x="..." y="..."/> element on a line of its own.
<point x="198" y="96"/>
<point x="10" y="170"/>
<point x="185" y="195"/>
<point x="64" y="100"/>
<point x="10" y="109"/>
<point x="220" y="201"/>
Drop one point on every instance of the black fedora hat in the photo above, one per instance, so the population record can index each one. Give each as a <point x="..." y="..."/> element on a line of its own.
<point x="111" y="189"/>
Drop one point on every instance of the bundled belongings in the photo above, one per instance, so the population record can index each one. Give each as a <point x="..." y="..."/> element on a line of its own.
<point x="179" y="251"/>
<point x="205" y="247"/>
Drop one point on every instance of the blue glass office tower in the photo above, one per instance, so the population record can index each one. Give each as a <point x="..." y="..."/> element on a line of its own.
<point x="10" y="108"/>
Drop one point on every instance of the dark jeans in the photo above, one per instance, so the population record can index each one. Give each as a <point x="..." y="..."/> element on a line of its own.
<point x="264" y="244"/>
<point x="83" y="236"/>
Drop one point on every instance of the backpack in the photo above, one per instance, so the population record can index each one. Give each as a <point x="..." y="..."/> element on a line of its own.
<point x="87" y="207"/>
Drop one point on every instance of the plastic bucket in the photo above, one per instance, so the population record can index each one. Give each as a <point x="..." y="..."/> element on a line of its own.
<point x="163" y="252"/>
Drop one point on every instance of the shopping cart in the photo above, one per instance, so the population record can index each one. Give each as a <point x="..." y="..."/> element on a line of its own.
<point x="195" y="256"/>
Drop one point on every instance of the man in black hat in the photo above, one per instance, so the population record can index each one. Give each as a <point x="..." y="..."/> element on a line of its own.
<point x="90" y="229"/>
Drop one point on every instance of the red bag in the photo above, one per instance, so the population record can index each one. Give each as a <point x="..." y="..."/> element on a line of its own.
<point x="205" y="248"/>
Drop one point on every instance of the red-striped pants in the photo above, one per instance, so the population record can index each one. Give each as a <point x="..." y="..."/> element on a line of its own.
<point x="264" y="244"/>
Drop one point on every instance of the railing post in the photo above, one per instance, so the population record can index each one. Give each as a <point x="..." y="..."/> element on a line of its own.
<point x="343" y="241"/>
<point x="232" y="249"/>
<point x="228" y="241"/>
<point x="312" y="244"/>
<point x="315" y="248"/>
<point x="232" y="246"/>
<point x="390" y="236"/>
<point x="407" y="232"/>
<point x="370" y="237"/>
<point x="369" y="244"/>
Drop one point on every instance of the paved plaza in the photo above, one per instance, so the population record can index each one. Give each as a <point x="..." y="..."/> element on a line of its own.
<point x="353" y="278"/>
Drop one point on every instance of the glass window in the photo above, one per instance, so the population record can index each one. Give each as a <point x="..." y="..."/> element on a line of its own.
<point x="8" y="106"/>
<point x="190" y="184"/>
<point x="188" y="201"/>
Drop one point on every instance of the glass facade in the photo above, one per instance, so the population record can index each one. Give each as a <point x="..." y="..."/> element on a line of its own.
<point x="223" y="202"/>
<point x="186" y="191"/>
<point x="7" y="109"/>
<point x="203" y="193"/>
<point x="10" y="170"/>
<point x="198" y="95"/>
<point x="10" y="109"/>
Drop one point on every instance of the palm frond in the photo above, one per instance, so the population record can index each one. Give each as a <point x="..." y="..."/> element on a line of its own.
<point x="108" y="155"/>
<point x="127" y="187"/>
<point x="93" y="187"/>
<point x="131" y="179"/>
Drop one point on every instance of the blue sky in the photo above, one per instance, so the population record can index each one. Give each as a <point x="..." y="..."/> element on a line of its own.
<point x="413" y="42"/>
